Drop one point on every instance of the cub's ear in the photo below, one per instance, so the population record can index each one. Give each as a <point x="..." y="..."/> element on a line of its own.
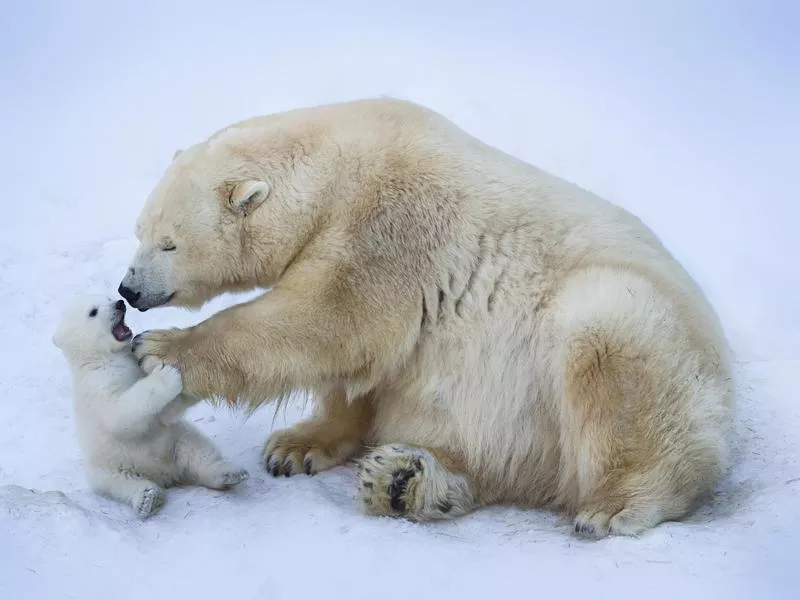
<point x="178" y="152"/>
<point x="246" y="196"/>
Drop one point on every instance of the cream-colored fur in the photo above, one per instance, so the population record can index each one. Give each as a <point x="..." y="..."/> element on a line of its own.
<point x="130" y="427"/>
<point x="484" y="331"/>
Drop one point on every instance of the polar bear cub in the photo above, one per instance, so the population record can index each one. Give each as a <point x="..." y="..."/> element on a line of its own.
<point x="130" y="426"/>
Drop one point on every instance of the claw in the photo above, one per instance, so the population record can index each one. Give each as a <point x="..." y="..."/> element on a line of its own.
<point x="273" y="468"/>
<point x="137" y="340"/>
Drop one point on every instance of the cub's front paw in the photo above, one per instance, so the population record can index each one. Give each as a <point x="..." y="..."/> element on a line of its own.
<point x="150" y="364"/>
<point x="169" y="378"/>
<point x="160" y="346"/>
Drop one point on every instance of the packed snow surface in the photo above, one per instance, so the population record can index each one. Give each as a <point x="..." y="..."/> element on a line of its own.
<point x="686" y="113"/>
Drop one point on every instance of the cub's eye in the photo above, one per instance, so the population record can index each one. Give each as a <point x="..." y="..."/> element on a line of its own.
<point x="93" y="313"/>
<point x="168" y="247"/>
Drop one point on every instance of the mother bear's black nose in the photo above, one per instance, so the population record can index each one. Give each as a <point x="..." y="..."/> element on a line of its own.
<point x="128" y="294"/>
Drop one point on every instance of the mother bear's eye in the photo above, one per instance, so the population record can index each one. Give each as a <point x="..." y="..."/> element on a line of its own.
<point x="168" y="247"/>
<point x="92" y="313"/>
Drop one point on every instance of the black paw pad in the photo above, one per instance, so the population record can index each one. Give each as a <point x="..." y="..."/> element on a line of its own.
<point x="397" y="489"/>
<point x="287" y="468"/>
<point x="445" y="507"/>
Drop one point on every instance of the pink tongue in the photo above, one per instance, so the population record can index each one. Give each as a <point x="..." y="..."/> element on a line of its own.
<point x="121" y="332"/>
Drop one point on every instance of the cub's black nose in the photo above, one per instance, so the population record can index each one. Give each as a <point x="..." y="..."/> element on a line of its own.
<point x="120" y="305"/>
<point x="128" y="294"/>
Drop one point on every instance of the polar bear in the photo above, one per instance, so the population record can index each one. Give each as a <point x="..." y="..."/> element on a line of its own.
<point x="130" y="427"/>
<point x="476" y="330"/>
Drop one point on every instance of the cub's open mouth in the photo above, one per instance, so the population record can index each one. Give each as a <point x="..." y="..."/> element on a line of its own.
<point x="120" y="331"/>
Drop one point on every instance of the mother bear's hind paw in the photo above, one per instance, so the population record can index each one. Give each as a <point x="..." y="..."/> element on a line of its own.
<point x="404" y="481"/>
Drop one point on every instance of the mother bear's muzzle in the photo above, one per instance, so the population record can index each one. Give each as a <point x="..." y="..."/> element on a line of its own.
<point x="130" y="296"/>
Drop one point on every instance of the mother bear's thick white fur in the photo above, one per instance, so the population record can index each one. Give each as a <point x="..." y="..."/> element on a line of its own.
<point x="484" y="331"/>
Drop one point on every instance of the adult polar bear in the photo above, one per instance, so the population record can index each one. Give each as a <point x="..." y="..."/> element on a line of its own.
<point x="490" y="332"/>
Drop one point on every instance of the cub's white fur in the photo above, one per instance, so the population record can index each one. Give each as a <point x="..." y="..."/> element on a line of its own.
<point x="130" y="427"/>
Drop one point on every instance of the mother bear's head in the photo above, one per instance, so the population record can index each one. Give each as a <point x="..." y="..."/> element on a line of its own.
<point x="219" y="220"/>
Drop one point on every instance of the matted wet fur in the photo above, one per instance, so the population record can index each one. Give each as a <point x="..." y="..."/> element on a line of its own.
<point x="477" y="330"/>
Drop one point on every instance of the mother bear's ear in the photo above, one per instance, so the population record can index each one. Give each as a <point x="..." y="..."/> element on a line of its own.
<point x="246" y="196"/>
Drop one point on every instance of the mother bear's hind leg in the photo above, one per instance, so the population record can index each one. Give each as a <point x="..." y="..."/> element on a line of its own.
<point x="643" y="408"/>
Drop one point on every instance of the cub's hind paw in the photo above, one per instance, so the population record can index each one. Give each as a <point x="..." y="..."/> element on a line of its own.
<point x="222" y="477"/>
<point x="148" y="502"/>
<point x="232" y="478"/>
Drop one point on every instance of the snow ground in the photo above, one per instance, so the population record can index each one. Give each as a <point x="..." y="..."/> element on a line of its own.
<point x="686" y="113"/>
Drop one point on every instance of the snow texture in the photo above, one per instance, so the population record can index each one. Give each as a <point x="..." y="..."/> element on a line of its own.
<point x="686" y="113"/>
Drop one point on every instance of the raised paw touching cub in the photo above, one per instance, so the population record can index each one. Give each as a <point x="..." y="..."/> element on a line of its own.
<point x="156" y="348"/>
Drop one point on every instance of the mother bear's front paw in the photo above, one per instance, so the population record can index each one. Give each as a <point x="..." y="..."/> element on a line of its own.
<point x="153" y="349"/>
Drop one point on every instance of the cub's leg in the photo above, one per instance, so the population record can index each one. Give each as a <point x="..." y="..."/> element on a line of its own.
<point x="176" y="409"/>
<point x="327" y="439"/>
<point x="202" y="463"/>
<point x="143" y="495"/>
<point x="415" y="483"/>
<point x="643" y="407"/>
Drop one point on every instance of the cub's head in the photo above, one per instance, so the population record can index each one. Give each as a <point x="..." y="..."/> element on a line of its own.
<point x="92" y="325"/>
<point x="192" y="231"/>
